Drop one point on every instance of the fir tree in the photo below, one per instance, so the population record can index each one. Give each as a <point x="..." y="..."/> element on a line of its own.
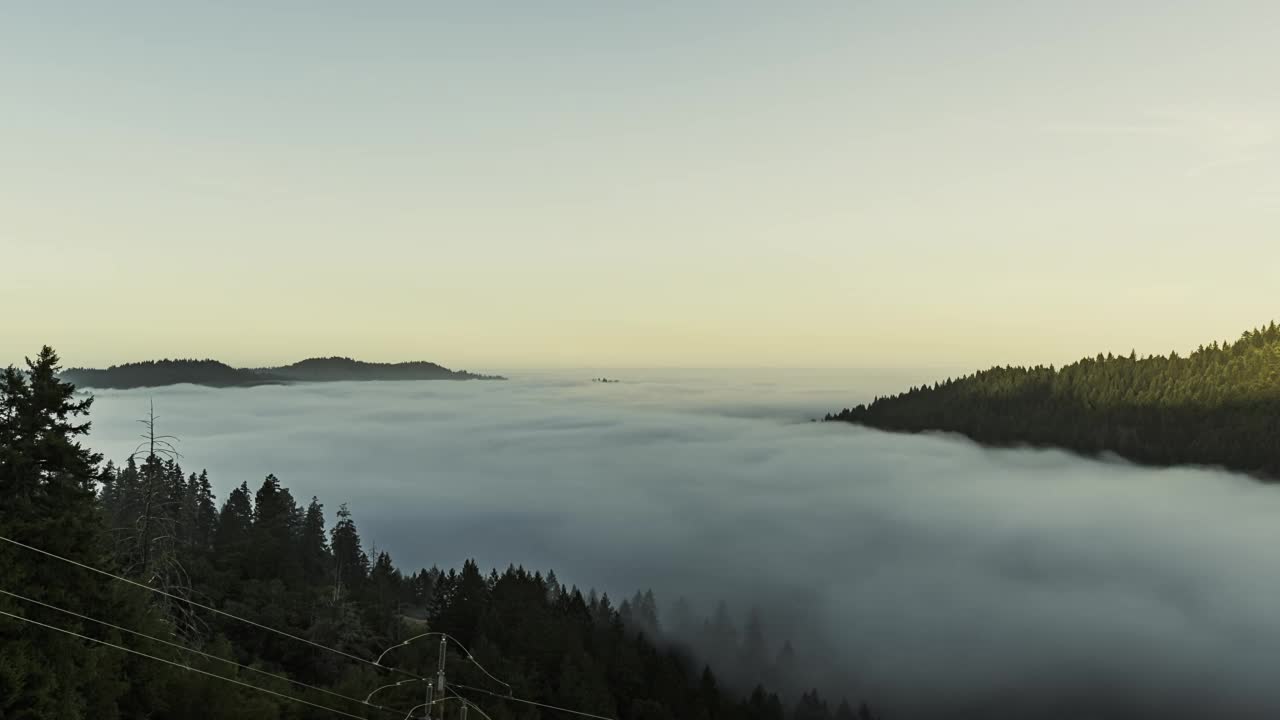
<point x="47" y="485"/>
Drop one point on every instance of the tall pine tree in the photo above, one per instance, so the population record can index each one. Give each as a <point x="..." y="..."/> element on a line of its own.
<point x="47" y="487"/>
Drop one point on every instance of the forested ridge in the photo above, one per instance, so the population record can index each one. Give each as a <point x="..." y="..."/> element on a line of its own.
<point x="156" y="373"/>
<point x="263" y="557"/>
<point x="342" y="368"/>
<point x="1220" y="405"/>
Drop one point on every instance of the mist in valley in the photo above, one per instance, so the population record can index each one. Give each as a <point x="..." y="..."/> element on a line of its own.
<point x="924" y="574"/>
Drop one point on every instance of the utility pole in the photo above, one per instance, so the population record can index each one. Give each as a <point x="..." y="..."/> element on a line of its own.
<point x="440" y="675"/>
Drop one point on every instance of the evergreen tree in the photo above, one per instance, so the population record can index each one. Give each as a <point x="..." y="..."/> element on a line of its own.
<point x="461" y="600"/>
<point x="47" y="486"/>
<point x="276" y="534"/>
<point x="314" y="549"/>
<point x="351" y="565"/>
<point x="205" y="511"/>
<point x="1218" y="406"/>
<point x="232" y="541"/>
<point x="385" y="583"/>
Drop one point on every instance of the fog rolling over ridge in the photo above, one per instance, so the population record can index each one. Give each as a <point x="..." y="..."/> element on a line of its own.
<point x="922" y="573"/>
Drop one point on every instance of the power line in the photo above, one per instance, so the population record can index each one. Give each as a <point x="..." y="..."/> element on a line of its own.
<point x="471" y="704"/>
<point x="282" y="633"/>
<point x="375" y="691"/>
<point x="184" y="667"/>
<point x="475" y="662"/>
<point x="205" y="607"/>
<point x="429" y="705"/>
<point x="531" y="702"/>
<point x="197" y="652"/>
<point x="457" y="642"/>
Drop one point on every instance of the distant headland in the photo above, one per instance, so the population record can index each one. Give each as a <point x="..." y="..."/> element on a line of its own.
<point x="211" y="373"/>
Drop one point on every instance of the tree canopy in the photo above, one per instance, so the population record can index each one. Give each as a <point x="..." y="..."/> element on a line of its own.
<point x="1220" y="405"/>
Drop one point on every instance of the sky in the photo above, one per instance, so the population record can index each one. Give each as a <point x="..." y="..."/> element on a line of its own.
<point x="665" y="184"/>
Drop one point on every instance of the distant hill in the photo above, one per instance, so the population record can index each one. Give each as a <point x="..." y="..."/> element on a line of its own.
<point x="341" y="368"/>
<point x="153" y="373"/>
<point x="1218" y="406"/>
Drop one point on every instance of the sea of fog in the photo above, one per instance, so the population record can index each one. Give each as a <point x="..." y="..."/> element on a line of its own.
<point x="923" y="573"/>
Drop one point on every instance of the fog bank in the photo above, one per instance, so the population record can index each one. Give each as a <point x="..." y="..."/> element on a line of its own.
<point x="925" y="574"/>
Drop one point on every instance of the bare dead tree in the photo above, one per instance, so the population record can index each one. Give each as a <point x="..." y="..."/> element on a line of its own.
<point x="156" y="446"/>
<point x="151" y="538"/>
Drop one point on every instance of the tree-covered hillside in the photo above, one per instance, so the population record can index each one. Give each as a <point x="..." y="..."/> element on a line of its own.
<point x="341" y="368"/>
<point x="1218" y="406"/>
<point x="295" y="620"/>
<point x="154" y="373"/>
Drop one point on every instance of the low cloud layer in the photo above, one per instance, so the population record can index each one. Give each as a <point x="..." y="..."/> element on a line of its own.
<point x="925" y="574"/>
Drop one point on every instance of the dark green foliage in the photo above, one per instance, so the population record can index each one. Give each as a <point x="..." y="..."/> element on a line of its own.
<point x="351" y="565"/>
<point x="341" y="368"/>
<point x="313" y="546"/>
<point x="47" y="482"/>
<point x="1218" y="406"/>
<point x="276" y="535"/>
<point x="232" y="538"/>
<point x="154" y="373"/>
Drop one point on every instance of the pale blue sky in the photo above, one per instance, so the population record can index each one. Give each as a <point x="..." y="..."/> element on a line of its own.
<point x="696" y="184"/>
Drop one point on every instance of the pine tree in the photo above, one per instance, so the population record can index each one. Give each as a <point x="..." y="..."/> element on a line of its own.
<point x="316" y="559"/>
<point x="47" y="485"/>
<point x="351" y="565"/>
<point x="461" y="601"/>
<point x="384" y="590"/>
<point x="206" y="513"/>
<point x="232" y="540"/>
<point x="276" y="533"/>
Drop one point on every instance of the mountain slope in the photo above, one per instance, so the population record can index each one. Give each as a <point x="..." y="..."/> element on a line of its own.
<point x="1218" y="406"/>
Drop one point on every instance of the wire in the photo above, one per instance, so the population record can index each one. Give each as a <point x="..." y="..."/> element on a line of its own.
<point x="475" y="662"/>
<point x="531" y="702"/>
<point x="184" y="667"/>
<point x="193" y="650"/>
<point x="429" y="705"/>
<point x="375" y="691"/>
<point x="457" y="642"/>
<point x="205" y="607"/>
<point x="469" y="703"/>
<point x="197" y="652"/>
<point x="357" y="658"/>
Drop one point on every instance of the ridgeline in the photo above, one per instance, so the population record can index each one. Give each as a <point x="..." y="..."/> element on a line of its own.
<point x="341" y="368"/>
<point x="155" y="373"/>
<point x="1218" y="406"/>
